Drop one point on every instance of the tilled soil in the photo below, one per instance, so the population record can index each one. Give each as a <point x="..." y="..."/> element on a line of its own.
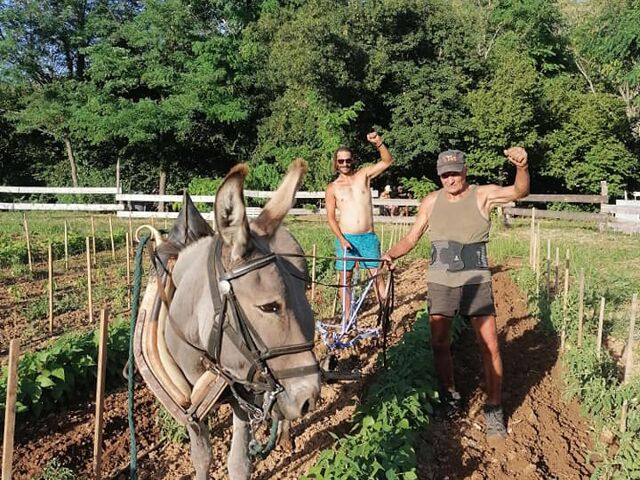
<point x="548" y="439"/>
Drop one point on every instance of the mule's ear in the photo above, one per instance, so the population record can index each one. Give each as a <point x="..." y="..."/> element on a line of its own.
<point x="231" y="216"/>
<point x="283" y="199"/>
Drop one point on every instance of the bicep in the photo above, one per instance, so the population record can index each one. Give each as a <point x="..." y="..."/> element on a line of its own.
<point x="497" y="195"/>
<point x="376" y="169"/>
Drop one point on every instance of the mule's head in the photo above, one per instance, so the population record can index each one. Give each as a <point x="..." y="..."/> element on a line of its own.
<point x="272" y="296"/>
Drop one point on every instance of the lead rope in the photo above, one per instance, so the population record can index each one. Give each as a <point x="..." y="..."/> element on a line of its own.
<point x="261" y="451"/>
<point x="135" y="303"/>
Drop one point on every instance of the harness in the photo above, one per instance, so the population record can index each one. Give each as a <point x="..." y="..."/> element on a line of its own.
<point x="261" y="380"/>
<point x="455" y="256"/>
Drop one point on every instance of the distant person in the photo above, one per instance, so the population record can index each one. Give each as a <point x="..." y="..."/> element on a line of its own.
<point x="457" y="218"/>
<point x="350" y="193"/>
<point x="403" y="210"/>
<point x="386" y="193"/>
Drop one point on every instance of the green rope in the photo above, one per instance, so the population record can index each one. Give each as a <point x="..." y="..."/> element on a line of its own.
<point x="257" y="450"/>
<point x="135" y="303"/>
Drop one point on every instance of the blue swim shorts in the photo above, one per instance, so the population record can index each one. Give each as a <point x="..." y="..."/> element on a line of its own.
<point x="364" y="245"/>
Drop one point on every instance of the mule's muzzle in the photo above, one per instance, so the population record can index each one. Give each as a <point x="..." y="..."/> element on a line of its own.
<point x="299" y="397"/>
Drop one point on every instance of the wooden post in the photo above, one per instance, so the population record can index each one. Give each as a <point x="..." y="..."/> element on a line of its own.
<point x="93" y="241"/>
<point x="10" y="410"/>
<point x="26" y="231"/>
<point x="600" y="328"/>
<point x="165" y="223"/>
<point x="557" y="272"/>
<point x="113" y="245"/>
<point x="536" y="256"/>
<point x="66" y="246"/>
<point x="131" y="236"/>
<point x="532" y="237"/>
<point x="128" y="252"/>
<point x="89" y="296"/>
<point x="628" y="364"/>
<point x="102" y="370"/>
<point x="335" y="297"/>
<point x="50" y="251"/>
<point x="382" y="239"/>
<point x="563" y="333"/>
<point x="580" y="307"/>
<point x="313" y="273"/>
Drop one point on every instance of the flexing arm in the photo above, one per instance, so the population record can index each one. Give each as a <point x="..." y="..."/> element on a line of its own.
<point x="385" y="157"/>
<point x="496" y="195"/>
<point x="406" y="244"/>
<point x="330" y="203"/>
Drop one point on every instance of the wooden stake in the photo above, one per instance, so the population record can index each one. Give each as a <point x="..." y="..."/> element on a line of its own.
<point x="131" y="236"/>
<point x="102" y="370"/>
<point x="10" y="410"/>
<point x="128" y="252"/>
<point x="532" y="237"/>
<point x="563" y="334"/>
<point x="335" y="297"/>
<point x="93" y="241"/>
<point x="557" y="272"/>
<point x="26" y="231"/>
<point x="382" y="238"/>
<point x="580" y="307"/>
<point x="313" y="273"/>
<point x="89" y="296"/>
<point x="628" y="364"/>
<point x="600" y="328"/>
<point x="66" y="246"/>
<point x="50" y="289"/>
<point x="113" y="245"/>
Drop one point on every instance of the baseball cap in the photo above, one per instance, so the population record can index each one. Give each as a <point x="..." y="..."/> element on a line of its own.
<point x="450" y="161"/>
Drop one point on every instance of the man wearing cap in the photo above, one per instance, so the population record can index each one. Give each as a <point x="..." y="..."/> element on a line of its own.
<point x="457" y="218"/>
<point x="350" y="193"/>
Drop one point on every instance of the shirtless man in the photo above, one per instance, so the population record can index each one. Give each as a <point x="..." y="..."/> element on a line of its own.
<point x="457" y="218"/>
<point x="350" y="194"/>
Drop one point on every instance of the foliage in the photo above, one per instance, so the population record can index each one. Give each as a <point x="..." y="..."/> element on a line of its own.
<point x="420" y="188"/>
<point x="66" y="370"/>
<point x="55" y="470"/>
<point x="170" y="429"/>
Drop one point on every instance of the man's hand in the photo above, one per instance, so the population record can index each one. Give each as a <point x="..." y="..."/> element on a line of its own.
<point x="344" y="243"/>
<point x="374" y="139"/>
<point x="517" y="156"/>
<point x="389" y="261"/>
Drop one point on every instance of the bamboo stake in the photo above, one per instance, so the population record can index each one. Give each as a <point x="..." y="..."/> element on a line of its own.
<point x="102" y="370"/>
<point x="89" y="296"/>
<point x="537" y="259"/>
<point x="335" y="297"/>
<point x="313" y="273"/>
<point x="93" y="241"/>
<point x="10" y="410"/>
<point x="563" y="334"/>
<point x="600" y="328"/>
<point x="629" y="360"/>
<point x="128" y="252"/>
<point x="165" y="223"/>
<point x="580" y="307"/>
<point x="382" y="237"/>
<point x="50" y="288"/>
<point x="66" y="246"/>
<point x="532" y="237"/>
<point x="26" y="231"/>
<point x="113" y="245"/>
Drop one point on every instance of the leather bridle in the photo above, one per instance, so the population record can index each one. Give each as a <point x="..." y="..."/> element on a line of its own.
<point x="261" y="380"/>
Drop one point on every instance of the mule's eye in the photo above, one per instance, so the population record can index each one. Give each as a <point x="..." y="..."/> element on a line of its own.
<point x="273" y="307"/>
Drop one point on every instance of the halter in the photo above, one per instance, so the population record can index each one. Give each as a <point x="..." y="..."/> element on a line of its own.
<point x="260" y="380"/>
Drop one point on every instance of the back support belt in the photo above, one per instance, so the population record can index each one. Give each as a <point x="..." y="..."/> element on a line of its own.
<point x="455" y="257"/>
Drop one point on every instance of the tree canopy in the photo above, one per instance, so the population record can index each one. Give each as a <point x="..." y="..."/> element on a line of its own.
<point x="177" y="91"/>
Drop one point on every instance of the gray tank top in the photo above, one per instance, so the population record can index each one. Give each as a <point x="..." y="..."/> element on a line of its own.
<point x="461" y="222"/>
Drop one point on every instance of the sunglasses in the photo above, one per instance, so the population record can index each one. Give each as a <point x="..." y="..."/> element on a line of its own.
<point x="344" y="161"/>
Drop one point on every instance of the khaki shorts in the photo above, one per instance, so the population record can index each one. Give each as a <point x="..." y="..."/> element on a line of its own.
<point x="468" y="300"/>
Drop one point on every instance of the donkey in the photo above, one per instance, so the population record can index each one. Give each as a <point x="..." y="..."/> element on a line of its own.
<point x="241" y="304"/>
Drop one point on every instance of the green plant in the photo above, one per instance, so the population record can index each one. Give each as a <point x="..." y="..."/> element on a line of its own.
<point x="170" y="430"/>
<point x="55" y="470"/>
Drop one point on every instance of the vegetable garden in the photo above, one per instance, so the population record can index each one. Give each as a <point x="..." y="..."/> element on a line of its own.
<point x="381" y="426"/>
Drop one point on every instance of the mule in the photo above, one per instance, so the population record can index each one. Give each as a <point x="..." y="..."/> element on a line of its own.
<point x="239" y="310"/>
